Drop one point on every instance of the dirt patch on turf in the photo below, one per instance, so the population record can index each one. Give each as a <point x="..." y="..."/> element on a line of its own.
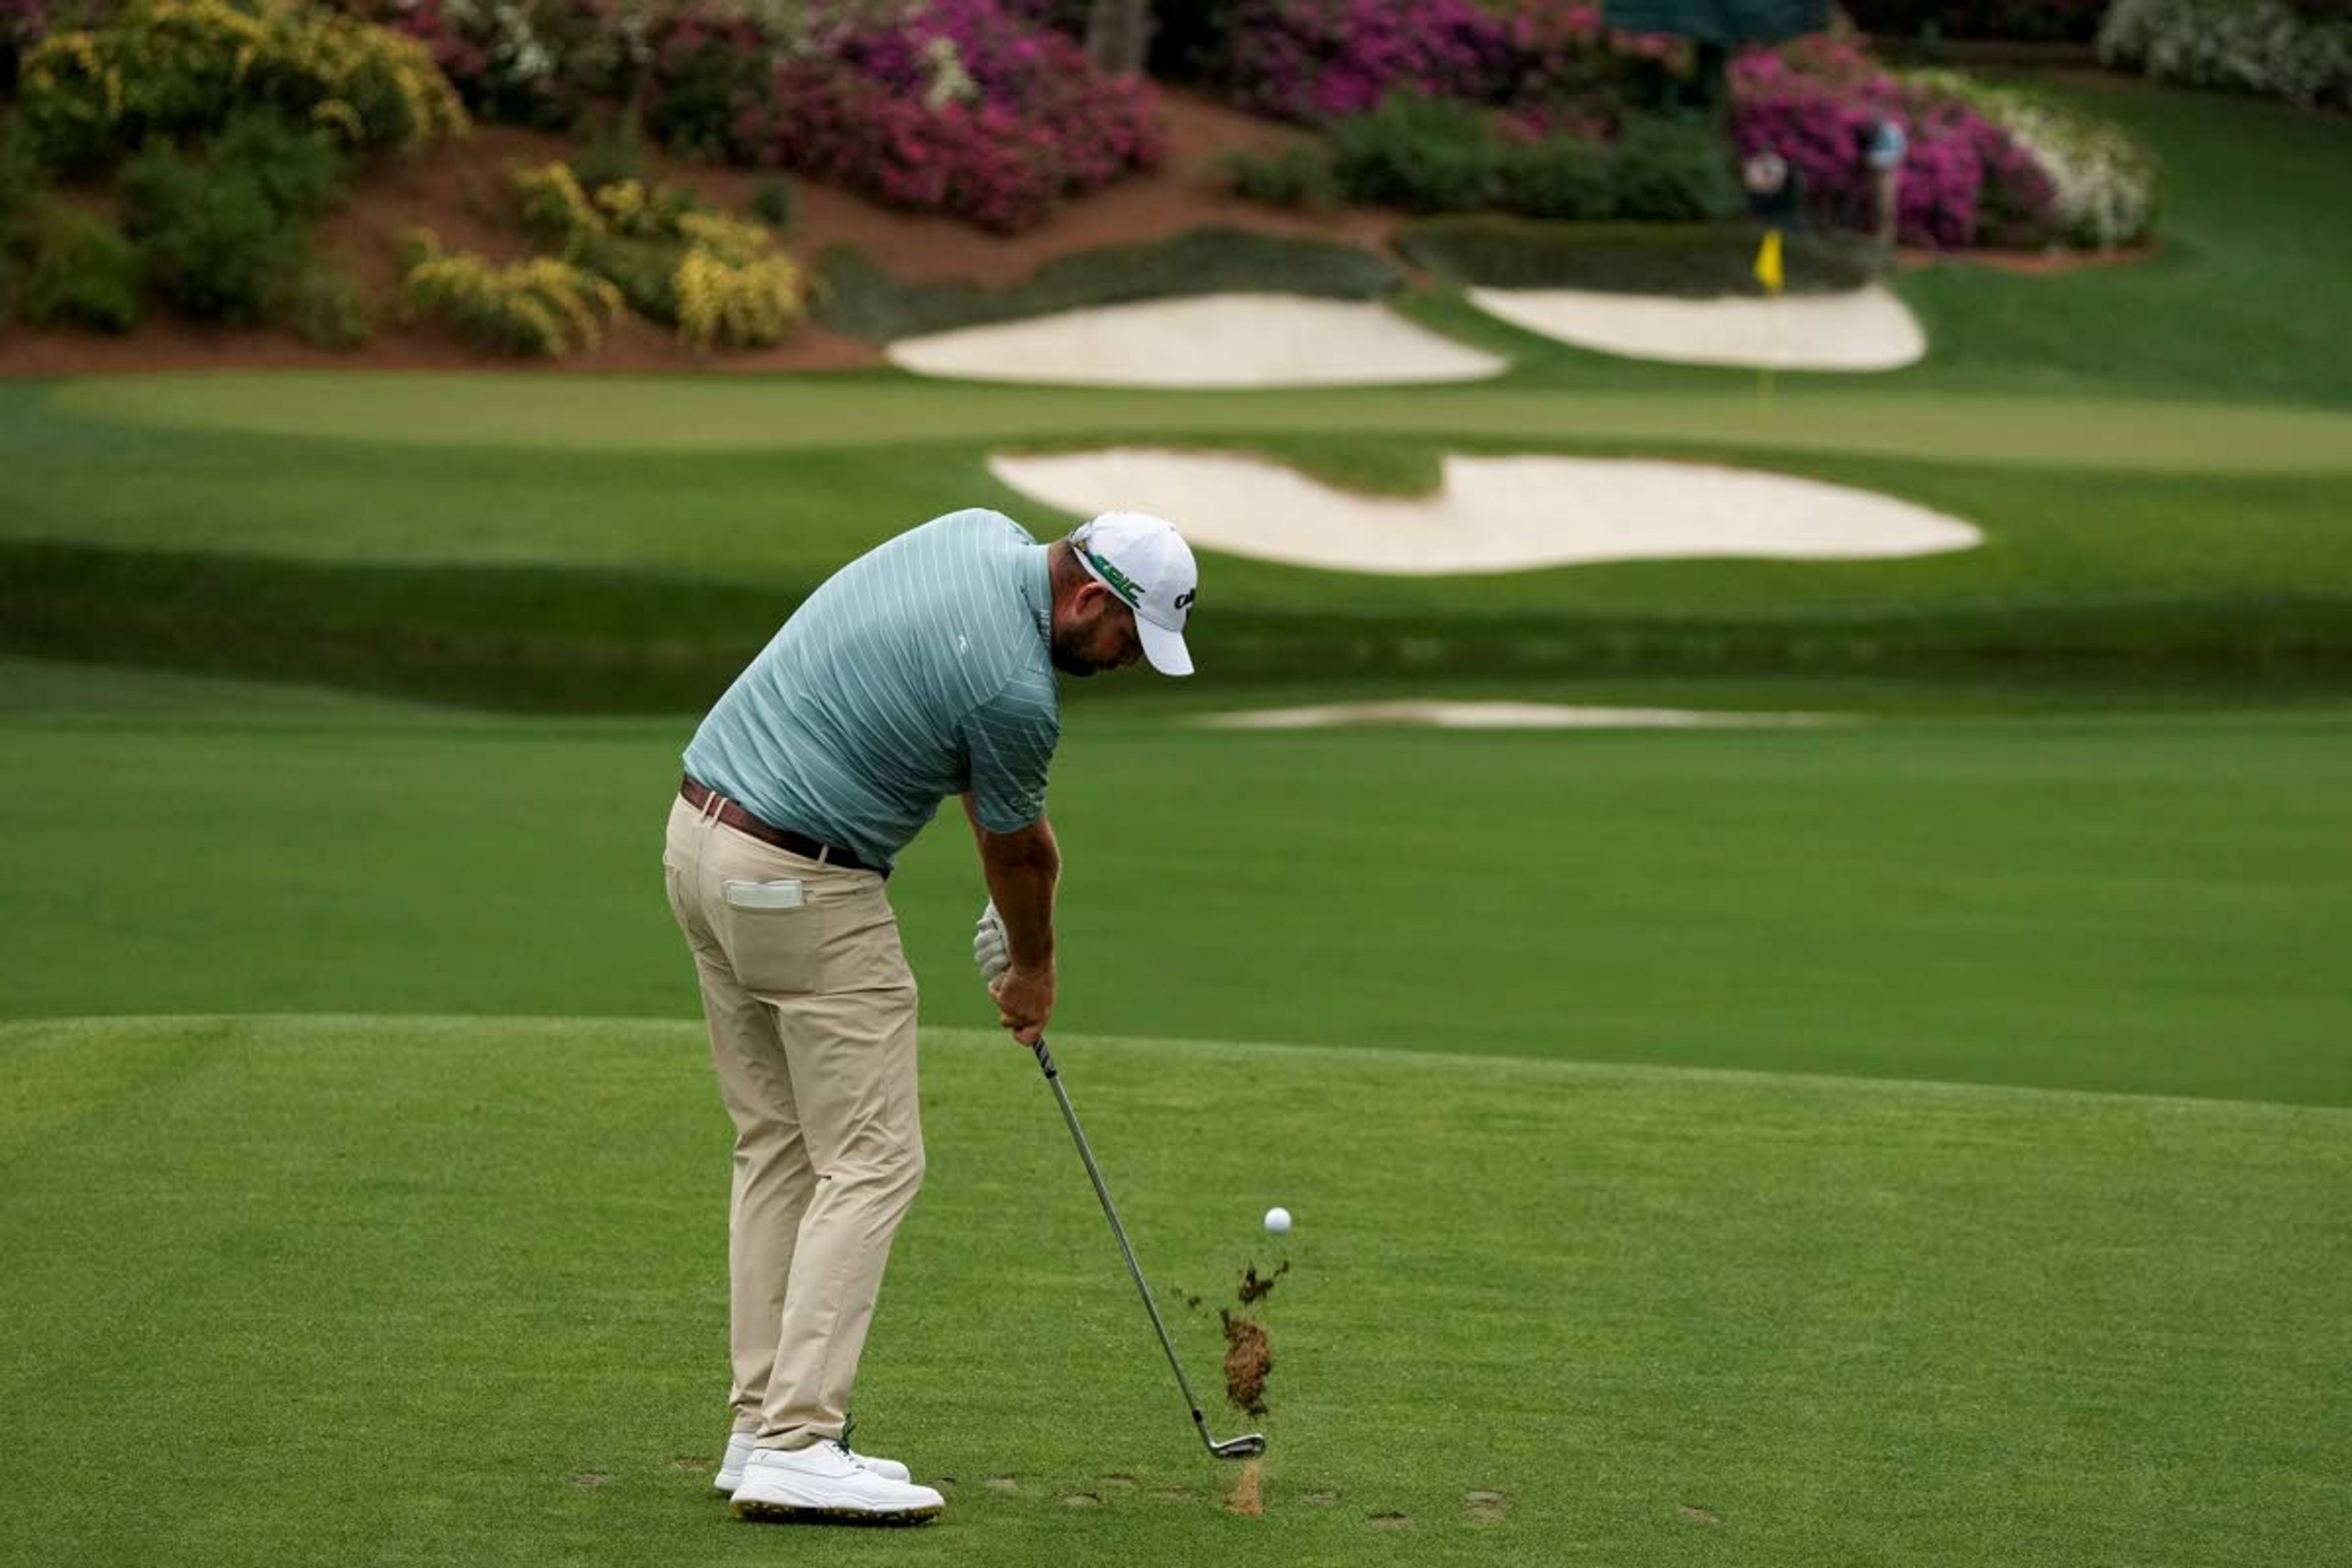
<point x="1390" y="1520"/>
<point x="1693" y="1514"/>
<point x="1486" y="1505"/>
<point x="1248" y="1498"/>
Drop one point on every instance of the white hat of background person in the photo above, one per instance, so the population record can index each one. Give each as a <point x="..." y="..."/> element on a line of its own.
<point x="1145" y="563"/>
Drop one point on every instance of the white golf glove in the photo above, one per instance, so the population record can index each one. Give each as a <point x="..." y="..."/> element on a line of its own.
<point x="989" y="948"/>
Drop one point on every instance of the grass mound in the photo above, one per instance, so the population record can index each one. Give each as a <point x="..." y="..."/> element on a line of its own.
<point x="856" y="297"/>
<point x="1689" y="260"/>
<point x="1848" y="1321"/>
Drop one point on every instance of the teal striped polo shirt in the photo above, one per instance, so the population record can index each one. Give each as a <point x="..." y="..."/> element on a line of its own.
<point x="924" y="669"/>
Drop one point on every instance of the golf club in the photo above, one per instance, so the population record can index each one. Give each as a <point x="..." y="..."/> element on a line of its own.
<point x="1250" y="1445"/>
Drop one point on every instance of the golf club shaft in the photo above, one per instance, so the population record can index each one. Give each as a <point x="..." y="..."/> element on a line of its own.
<point x="1093" y="1173"/>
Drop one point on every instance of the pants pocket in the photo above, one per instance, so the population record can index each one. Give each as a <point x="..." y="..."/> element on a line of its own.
<point x="775" y="937"/>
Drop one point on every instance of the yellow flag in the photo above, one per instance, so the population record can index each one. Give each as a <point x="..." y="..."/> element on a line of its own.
<point x="1768" y="262"/>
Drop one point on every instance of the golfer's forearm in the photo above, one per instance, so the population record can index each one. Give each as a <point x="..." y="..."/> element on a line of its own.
<point x="1022" y="869"/>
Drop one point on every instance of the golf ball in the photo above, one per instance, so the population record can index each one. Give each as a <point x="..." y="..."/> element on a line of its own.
<point x="1277" y="1220"/>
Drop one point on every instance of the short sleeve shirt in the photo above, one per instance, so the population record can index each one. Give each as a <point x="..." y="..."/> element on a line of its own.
<point x="924" y="669"/>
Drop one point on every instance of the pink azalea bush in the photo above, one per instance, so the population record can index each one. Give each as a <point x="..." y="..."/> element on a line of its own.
<point x="1963" y="182"/>
<point x="957" y="108"/>
<point x="1317" y="60"/>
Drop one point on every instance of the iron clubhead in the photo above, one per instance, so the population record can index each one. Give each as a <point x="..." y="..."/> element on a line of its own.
<point x="1248" y="1447"/>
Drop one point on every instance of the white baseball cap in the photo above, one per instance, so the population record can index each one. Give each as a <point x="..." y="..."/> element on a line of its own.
<point x="1145" y="563"/>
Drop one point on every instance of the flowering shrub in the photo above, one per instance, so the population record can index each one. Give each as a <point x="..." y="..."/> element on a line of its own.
<point x="542" y="308"/>
<point x="1964" y="181"/>
<point x="1322" y="60"/>
<point x="2105" y="183"/>
<point x="2301" y="53"/>
<point x="179" y="67"/>
<point x="717" y="280"/>
<point x="956" y="108"/>
<point x="532" y="62"/>
<point x="1317" y="60"/>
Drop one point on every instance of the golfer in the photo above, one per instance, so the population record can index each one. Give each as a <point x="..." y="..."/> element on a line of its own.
<point x="922" y="669"/>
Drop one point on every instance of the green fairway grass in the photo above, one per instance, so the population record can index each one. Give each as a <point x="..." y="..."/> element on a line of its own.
<point x="377" y="1292"/>
<point x="2072" y="899"/>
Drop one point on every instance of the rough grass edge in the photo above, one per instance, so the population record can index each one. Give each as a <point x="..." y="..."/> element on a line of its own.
<point x="858" y="297"/>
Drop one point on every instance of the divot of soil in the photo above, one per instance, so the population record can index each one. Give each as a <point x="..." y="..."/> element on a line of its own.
<point x="1171" y="1494"/>
<point x="1249" y="1360"/>
<point x="1081" y="1499"/>
<point x="589" y="1481"/>
<point x="1486" y="1505"/>
<point x="1255" y="1286"/>
<point x="1390" y="1521"/>
<point x="1004" y="1483"/>
<point x="691" y="1462"/>
<point x="1321" y="1500"/>
<point x="1696" y="1515"/>
<point x="1117" y="1483"/>
<point x="1248" y="1499"/>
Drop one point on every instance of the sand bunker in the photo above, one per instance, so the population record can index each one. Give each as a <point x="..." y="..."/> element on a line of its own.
<point x="1218" y="340"/>
<point x="1861" y="329"/>
<point x="1490" y="514"/>
<point x="1507" y="716"/>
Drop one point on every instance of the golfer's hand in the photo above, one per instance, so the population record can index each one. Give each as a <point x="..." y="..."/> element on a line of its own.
<point x="989" y="948"/>
<point x="1025" y="1002"/>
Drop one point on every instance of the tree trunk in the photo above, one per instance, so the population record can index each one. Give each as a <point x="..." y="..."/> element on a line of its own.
<point x="1119" y="32"/>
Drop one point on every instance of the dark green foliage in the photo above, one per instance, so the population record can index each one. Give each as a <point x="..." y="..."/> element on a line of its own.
<point x="326" y="307"/>
<point x="701" y="89"/>
<point x="217" y="246"/>
<point x="20" y="179"/>
<point x="79" y="271"/>
<point x="1669" y="168"/>
<point x="301" y="173"/>
<point x="1295" y="177"/>
<point x="1696" y="260"/>
<point x="644" y="269"/>
<point x="775" y="203"/>
<point x="860" y="299"/>
<point x="615" y="153"/>
<point x="1422" y="154"/>
<point x="1559" y="178"/>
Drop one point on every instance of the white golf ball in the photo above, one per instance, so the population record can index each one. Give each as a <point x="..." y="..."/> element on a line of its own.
<point x="1277" y="1220"/>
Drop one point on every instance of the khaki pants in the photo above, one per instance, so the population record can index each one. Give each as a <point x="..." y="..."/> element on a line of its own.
<point x="812" y="1014"/>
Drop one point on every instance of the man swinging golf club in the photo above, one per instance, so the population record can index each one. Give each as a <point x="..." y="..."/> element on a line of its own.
<point x="922" y="669"/>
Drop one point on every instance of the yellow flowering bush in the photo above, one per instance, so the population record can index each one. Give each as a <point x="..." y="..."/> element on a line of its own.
<point x="734" y="290"/>
<point x="544" y="308"/>
<point x="717" y="280"/>
<point x="180" y="67"/>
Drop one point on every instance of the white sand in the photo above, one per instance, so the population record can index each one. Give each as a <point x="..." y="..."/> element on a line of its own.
<point x="1490" y="514"/>
<point x="1508" y="716"/>
<point x="1218" y="340"/>
<point x="1864" y="329"/>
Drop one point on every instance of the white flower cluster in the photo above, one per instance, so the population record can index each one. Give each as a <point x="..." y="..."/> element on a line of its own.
<point x="2106" y="182"/>
<point x="951" y="83"/>
<point x="2252" y="46"/>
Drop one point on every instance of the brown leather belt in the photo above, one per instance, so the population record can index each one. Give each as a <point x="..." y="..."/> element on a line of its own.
<point x="700" y="797"/>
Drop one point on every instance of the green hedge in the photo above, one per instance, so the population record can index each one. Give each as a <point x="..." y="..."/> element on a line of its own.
<point x="858" y="297"/>
<point x="1692" y="260"/>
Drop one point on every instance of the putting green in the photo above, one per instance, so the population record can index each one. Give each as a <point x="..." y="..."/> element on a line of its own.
<point x="637" y="413"/>
<point x="391" y="1292"/>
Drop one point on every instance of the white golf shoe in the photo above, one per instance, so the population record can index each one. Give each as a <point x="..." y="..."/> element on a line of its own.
<point x="739" y="1446"/>
<point x="826" y="1481"/>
